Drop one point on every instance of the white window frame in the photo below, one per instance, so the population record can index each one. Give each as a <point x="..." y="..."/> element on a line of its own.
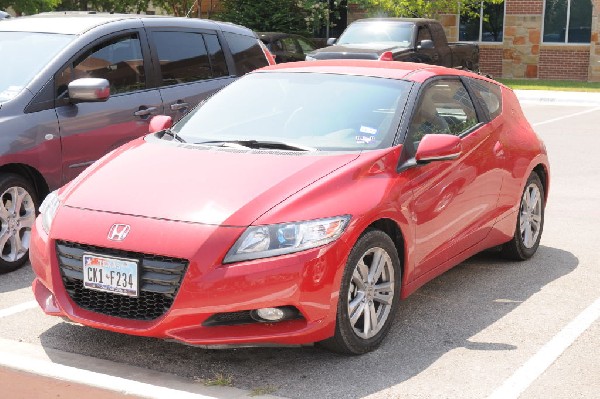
<point x="566" y="41"/>
<point x="481" y="24"/>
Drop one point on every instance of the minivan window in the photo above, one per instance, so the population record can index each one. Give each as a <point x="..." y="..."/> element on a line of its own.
<point x="247" y="53"/>
<point x="182" y="56"/>
<point x="119" y="61"/>
<point x="28" y="53"/>
<point x="217" y="57"/>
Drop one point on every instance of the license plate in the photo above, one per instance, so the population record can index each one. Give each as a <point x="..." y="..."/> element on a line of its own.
<point x="114" y="275"/>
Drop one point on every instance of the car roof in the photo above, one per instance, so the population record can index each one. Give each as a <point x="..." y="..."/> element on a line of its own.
<point x="411" y="20"/>
<point x="79" y="22"/>
<point x="271" y="36"/>
<point x="413" y="72"/>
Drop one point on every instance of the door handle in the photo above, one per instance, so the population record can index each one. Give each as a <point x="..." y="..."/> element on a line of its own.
<point x="179" y="105"/>
<point x="144" y="111"/>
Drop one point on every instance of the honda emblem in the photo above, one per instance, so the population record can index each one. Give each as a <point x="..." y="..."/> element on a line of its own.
<point x="118" y="232"/>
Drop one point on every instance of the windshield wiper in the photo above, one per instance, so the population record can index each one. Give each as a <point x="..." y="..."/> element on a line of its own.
<point x="258" y="144"/>
<point x="169" y="132"/>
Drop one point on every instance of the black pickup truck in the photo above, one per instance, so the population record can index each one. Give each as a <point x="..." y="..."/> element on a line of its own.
<point x="399" y="39"/>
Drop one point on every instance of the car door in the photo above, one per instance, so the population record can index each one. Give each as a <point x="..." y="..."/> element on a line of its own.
<point x="454" y="200"/>
<point x="88" y="130"/>
<point x="191" y="67"/>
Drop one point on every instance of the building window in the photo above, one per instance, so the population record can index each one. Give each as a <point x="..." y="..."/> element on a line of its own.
<point x="483" y="22"/>
<point x="567" y="21"/>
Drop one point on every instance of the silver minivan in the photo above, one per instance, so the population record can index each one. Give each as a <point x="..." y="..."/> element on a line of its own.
<point x="74" y="86"/>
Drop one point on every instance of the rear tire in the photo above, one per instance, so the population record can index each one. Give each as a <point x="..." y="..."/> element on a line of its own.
<point x="18" y="207"/>
<point x="369" y="295"/>
<point x="530" y="222"/>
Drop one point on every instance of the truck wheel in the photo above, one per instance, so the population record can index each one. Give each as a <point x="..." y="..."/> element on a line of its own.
<point x="18" y="206"/>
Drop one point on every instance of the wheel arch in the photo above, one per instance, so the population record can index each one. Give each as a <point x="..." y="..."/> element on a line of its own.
<point x="392" y="229"/>
<point x="542" y="172"/>
<point x="30" y="174"/>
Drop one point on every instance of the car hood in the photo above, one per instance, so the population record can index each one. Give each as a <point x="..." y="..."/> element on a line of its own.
<point x="363" y="51"/>
<point x="196" y="184"/>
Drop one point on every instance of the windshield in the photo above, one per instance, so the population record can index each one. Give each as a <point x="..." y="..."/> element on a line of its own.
<point x="313" y="110"/>
<point x="23" y="55"/>
<point x="397" y="34"/>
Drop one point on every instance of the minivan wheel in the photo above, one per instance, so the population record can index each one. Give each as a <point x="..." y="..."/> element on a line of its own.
<point x="369" y="295"/>
<point x="18" y="205"/>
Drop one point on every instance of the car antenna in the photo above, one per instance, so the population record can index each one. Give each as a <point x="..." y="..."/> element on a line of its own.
<point x="190" y="10"/>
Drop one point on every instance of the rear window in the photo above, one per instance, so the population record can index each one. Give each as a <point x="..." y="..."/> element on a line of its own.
<point x="490" y="95"/>
<point x="247" y="53"/>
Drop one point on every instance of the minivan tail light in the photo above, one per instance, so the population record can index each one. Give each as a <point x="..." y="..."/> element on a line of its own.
<point x="386" y="56"/>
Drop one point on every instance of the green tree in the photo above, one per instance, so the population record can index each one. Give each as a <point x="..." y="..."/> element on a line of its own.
<point x="420" y="8"/>
<point x="120" y="6"/>
<point x="29" y="7"/>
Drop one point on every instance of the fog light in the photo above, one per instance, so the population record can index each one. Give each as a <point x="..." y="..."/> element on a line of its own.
<point x="268" y="314"/>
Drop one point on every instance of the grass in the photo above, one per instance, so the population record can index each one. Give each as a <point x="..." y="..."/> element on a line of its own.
<point x="219" y="379"/>
<point x="560" y="85"/>
<point x="263" y="391"/>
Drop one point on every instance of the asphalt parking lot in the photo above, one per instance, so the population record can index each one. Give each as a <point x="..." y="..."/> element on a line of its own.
<point x="486" y="329"/>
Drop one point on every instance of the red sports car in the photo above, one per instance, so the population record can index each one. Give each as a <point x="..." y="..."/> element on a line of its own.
<point x="299" y="204"/>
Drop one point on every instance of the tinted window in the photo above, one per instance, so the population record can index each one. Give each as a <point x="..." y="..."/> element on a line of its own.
<point x="568" y="21"/>
<point x="445" y="107"/>
<point x="217" y="58"/>
<point x="482" y="22"/>
<point x="119" y="61"/>
<point x="305" y="45"/>
<point x="490" y="95"/>
<point x="423" y="34"/>
<point x="183" y="57"/>
<point x="290" y="45"/>
<point x="247" y="53"/>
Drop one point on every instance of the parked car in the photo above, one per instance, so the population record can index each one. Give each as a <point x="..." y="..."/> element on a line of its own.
<point x="75" y="86"/>
<point x="400" y="39"/>
<point x="287" y="47"/>
<point x="4" y="15"/>
<point x="299" y="204"/>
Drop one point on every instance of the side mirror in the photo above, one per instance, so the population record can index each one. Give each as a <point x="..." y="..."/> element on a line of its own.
<point x="89" y="90"/>
<point x="438" y="147"/>
<point x="426" y="44"/>
<point x="160" y="122"/>
<point x="331" y="41"/>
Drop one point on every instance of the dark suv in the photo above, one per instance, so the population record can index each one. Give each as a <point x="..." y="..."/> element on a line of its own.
<point x="74" y="86"/>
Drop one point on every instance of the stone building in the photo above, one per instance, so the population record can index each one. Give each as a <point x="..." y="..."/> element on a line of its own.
<point x="545" y="39"/>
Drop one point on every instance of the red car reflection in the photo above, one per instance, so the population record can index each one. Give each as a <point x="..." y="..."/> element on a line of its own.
<point x="300" y="204"/>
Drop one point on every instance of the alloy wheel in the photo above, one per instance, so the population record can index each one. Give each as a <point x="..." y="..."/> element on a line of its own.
<point x="530" y="215"/>
<point x="17" y="215"/>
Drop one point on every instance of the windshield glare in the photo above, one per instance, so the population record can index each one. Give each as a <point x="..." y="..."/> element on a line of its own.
<point x="324" y="111"/>
<point x="24" y="54"/>
<point x="378" y="32"/>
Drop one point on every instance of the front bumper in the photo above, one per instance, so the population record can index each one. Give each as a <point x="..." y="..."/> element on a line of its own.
<point x="308" y="281"/>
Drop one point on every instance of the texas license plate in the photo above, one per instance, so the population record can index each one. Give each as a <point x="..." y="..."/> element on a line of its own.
<point x="114" y="275"/>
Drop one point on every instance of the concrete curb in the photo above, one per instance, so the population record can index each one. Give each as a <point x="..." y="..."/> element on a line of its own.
<point x="130" y="381"/>
<point x="578" y="98"/>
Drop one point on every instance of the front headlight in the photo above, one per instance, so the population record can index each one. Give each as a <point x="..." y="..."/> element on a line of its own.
<point x="285" y="238"/>
<point x="309" y="58"/>
<point x="48" y="210"/>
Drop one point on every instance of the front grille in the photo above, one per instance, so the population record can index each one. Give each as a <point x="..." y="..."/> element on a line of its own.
<point x="160" y="278"/>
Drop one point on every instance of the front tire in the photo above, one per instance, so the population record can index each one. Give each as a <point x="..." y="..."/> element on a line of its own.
<point x="18" y="205"/>
<point x="369" y="295"/>
<point x="530" y="222"/>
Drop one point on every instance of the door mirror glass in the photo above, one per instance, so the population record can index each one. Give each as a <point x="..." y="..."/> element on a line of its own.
<point x="89" y="90"/>
<point x="331" y="41"/>
<point x="426" y="44"/>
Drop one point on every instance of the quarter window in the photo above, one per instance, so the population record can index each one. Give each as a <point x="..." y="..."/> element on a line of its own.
<point x="482" y="22"/>
<point x="445" y="107"/>
<point x="182" y="56"/>
<point x="567" y="21"/>
<point x="490" y="95"/>
<point x="217" y="57"/>
<point x="247" y="53"/>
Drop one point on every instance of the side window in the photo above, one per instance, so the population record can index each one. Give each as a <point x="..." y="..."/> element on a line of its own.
<point x="247" y="53"/>
<point x="290" y="45"/>
<point x="119" y="61"/>
<point x="182" y="56"/>
<point x="444" y="107"/>
<point x="489" y="94"/>
<point x="423" y="34"/>
<point x="276" y="46"/>
<point x="217" y="57"/>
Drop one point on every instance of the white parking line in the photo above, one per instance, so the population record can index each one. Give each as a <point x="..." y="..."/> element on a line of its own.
<point x="18" y="308"/>
<point x="517" y="383"/>
<point x="566" y="117"/>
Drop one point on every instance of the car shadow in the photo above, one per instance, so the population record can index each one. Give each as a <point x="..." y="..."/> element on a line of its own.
<point x="17" y="279"/>
<point x="441" y="316"/>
